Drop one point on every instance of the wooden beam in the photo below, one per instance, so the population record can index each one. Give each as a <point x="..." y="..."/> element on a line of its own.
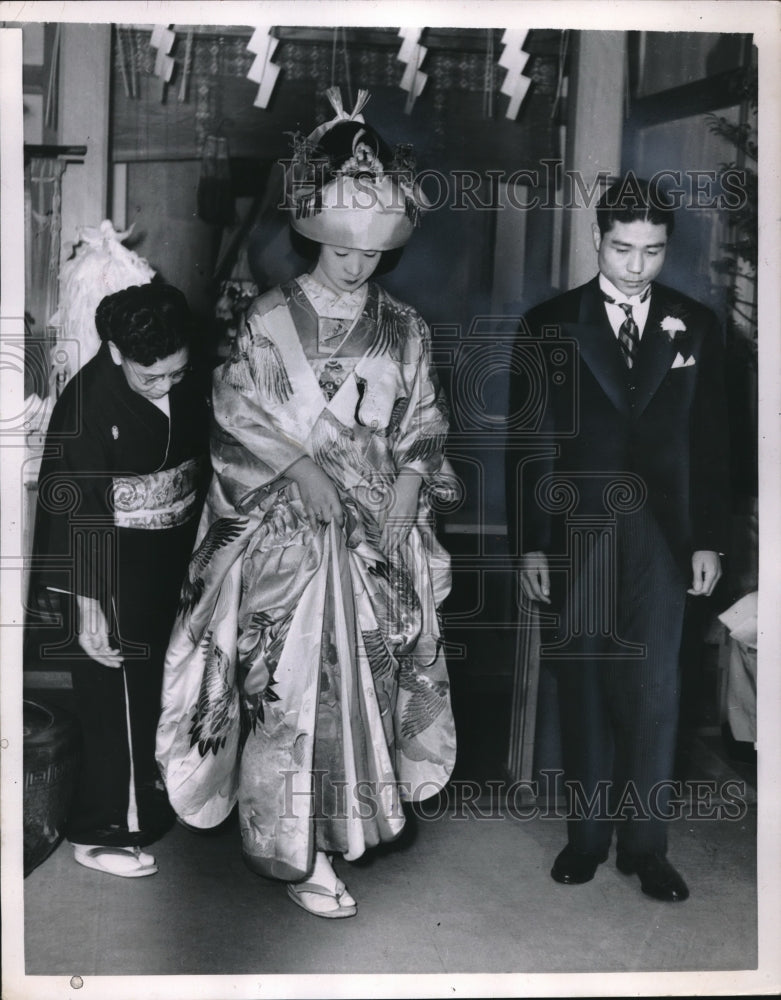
<point x="721" y="90"/>
<point x="541" y="41"/>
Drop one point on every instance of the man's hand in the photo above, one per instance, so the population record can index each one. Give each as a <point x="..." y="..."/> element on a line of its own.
<point x="706" y="573"/>
<point x="93" y="633"/>
<point x="535" y="581"/>
<point x="318" y="494"/>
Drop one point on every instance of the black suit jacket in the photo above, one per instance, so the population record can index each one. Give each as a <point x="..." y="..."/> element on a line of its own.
<point x="659" y="430"/>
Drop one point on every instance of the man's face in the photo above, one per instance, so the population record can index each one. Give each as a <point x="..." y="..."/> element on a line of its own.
<point x="631" y="254"/>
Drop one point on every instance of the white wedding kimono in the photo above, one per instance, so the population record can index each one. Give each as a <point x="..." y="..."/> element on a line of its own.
<point x="305" y="675"/>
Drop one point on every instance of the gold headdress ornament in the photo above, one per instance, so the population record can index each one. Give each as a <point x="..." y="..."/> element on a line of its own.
<point x="345" y="187"/>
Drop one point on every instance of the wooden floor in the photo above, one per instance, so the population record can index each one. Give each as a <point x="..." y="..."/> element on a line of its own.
<point x="464" y="894"/>
<point x="465" y="891"/>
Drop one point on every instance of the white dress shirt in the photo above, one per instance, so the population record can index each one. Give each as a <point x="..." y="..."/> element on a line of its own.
<point x="616" y="314"/>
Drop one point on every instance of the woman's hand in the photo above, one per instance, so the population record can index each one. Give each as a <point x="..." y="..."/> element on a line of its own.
<point x="93" y="633"/>
<point x="402" y="510"/>
<point x="318" y="494"/>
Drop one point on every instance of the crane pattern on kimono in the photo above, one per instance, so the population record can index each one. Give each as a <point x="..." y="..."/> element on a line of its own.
<point x="255" y="361"/>
<point x="399" y="408"/>
<point x="268" y="368"/>
<point x="424" y="447"/>
<point x="393" y="323"/>
<point x="261" y="641"/>
<point x="398" y="613"/>
<point x="382" y="662"/>
<point x="224" y="531"/>
<point x="253" y="710"/>
<point x="429" y="699"/>
<point x="333" y="445"/>
<point x="217" y="708"/>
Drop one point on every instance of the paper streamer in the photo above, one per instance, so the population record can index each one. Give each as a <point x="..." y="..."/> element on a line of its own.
<point x="163" y="40"/>
<point x="413" y="54"/>
<point x="263" y="71"/>
<point x="514" y="59"/>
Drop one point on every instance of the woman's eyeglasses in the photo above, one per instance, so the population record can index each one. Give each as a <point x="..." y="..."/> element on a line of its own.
<point x="150" y="380"/>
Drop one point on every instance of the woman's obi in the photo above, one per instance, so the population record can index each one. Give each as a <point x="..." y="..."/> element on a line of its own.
<point x="160" y="499"/>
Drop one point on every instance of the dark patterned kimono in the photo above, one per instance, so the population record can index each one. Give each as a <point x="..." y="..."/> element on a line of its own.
<point x="119" y="495"/>
<point x="305" y="676"/>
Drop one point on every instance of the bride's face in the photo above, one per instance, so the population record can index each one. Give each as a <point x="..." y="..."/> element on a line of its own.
<point x="344" y="269"/>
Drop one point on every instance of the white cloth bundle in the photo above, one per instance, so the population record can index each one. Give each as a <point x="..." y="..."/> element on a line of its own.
<point x="100" y="266"/>
<point x="739" y="699"/>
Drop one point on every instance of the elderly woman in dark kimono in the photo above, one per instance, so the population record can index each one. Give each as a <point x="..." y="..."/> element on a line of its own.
<point x="305" y="675"/>
<point x="119" y="495"/>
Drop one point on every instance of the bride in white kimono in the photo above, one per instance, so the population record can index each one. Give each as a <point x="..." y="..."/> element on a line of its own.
<point x="305" y="676"/>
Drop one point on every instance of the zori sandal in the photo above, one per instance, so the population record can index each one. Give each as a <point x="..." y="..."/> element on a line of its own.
<point x="127" y="862"/>
<point x="322" y="902"/>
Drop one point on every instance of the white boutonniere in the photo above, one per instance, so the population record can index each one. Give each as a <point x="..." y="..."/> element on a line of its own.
<point x="675" y="328"/>
<point x="673" y="325"/>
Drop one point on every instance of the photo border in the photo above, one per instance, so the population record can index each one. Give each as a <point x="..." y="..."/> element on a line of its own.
<point x="764" y="21"/>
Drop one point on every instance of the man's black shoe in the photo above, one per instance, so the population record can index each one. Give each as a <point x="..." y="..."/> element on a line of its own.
<point x="658" y="878"/>
<point x="573" y="867"/>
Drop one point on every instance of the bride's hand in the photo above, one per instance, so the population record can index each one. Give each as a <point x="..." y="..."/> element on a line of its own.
<point x="318" y="494"/>
<point x="402" y="510"/>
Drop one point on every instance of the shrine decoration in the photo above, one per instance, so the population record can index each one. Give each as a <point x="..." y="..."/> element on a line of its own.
<point x="163" y="40"/>
<point x="412" y="53"/>
<point x="263" y="71"/>
<point x="514" y="59"/>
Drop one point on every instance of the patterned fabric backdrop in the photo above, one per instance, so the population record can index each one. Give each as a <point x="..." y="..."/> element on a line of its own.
<point x="220" y="97"/>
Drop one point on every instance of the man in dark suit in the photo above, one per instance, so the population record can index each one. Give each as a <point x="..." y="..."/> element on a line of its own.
<point x="624" y="510"/>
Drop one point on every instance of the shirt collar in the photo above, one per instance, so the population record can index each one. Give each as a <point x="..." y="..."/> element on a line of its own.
<point x="610" y="289"/>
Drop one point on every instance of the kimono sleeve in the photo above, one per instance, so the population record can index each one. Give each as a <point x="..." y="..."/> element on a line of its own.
<point x="74" y="526"/>
<point x="248" y="450"/>
<point x="420" y="442"/>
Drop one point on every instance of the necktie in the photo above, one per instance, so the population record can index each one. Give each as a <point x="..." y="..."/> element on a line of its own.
<point x="628" y="332"/>
<point x="628" y="335"/>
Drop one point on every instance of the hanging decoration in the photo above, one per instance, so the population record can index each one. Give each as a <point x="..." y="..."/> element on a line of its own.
<point x="412" y="53"/>
<point x="215" y="192"/>
<point x="127" y="59"/>
<point x="188" y="61"/>
<point x="558" y="112"/>
<point x="449" y="69"/>
<point x="52" y="83"/>
<point x="489" y="77"/>
<point x="346" y="63"/>
<point x="123" y="63"/>
<point x="514" y="59"/>
<point x="163" y="40"/>
<point x="263" y="71"/>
